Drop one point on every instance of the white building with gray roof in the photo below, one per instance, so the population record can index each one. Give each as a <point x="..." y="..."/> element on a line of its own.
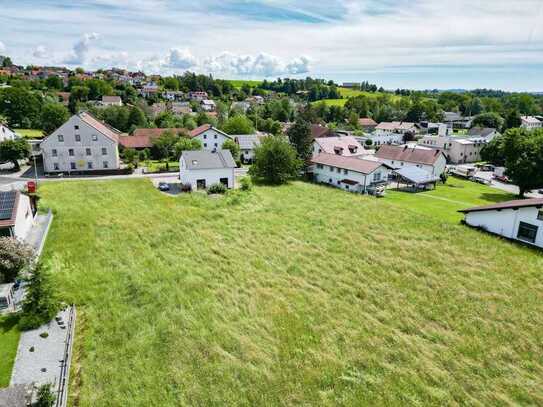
<point x="201" y="169"/>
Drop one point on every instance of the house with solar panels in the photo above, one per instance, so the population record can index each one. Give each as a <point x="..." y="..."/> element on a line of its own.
<point x="83" y="144"/>
<point x="16" y="214"/>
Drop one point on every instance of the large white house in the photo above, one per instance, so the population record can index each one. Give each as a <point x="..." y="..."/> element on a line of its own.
<point x="349" y="173"/>
<point x="201" y="169"/>
<point x="519" y="220"/>
<point x="81" y="144"/>
<point x="247" y="145"/>
<point x="6" y="133"/>
<point x="530" y="122"/>
<point x="431" y="160"/>
<point x="16" y="215"/>
<point x="212" y="139"/>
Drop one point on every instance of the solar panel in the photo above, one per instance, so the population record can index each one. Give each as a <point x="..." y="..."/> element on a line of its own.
<point x="7" y="201"/>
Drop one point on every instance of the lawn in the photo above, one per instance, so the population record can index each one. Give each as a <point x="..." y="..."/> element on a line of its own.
<point x="293" y="295"/>
<point x="9" y="340"/>
<point x="157" y="165"/>
<point x="239" y="83"/>
<point x="30" y="133"/>
<point x="349" y="93"/>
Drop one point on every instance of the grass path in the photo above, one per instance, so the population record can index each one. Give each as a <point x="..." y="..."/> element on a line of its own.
<point x="294" y="295"/>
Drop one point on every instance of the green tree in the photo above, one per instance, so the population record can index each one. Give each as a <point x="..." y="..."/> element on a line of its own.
<point x="53" y="115"/>
<point x="7" y="62"/>
<point x="238" y="124"/>
<point x="131" y="156"/>
<point x="493" y="152"/>
<point x="164" y="147"/>
<point x="15" y="257"/>
<point x="46" y="397"/>
<point x="490" y="119"/>
<point x="512" y="120"/>
<point x="54" y="82"/>
<point x="233" y="147"/>
<point x="187" y="144"/>
<point x="300" y="137"/>
<point x="21" y="106"/>
<point x="40" y="304"/>
<point x="13" y="151"/>
<point x="275" y="161"/>
<point x="136" y="118"/>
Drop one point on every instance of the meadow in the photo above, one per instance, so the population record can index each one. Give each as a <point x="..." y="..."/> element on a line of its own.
<point x="349" y="93"/>
<point x="300" y="294"/>
<point x="9" y="340"/>
<point x="31" y="133"/>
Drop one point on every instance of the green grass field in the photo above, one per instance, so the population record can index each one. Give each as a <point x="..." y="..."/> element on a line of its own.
<point x="293" y="295"/>
<point x="239" y="83"/>
<point x="9" y="340"/>
<point x="30" y="133"/>
<point x="348" y="93"/>
<point x="157" y="165"/>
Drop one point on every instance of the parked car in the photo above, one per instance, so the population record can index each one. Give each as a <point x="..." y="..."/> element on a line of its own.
<point x="501" y="178"/>
<point x="163" y="186"/>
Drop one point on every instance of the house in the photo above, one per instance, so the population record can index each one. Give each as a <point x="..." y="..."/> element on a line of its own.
<point x="158" y="108"/>
<point x="415" y="178"/>
<point x="180" y="108"/>
<point x="208" y="105"/>
<point x="319" y="131"/>
<point x="111" y="101"/>
<point x="530" y="123"/>
<point x="82" y="144"/>
<point x="344" y="145"/>
<point x="212" y="139"/>
<point x="431" y="160"/>
<point x="351" y="85"/>
<point x="247" y="145"/>
<point x="396" y="127"/>
<point x="241" y="106"/>
<point x="64" y="98"/>
<point x="149" y="90"/>
<point x="16" y="214"/>
<point x="255" y="100"/>
<point x="6" y="133"/>
<point x="520" y="220"/>
<point x="143" y="138"/>
<point x="198" y="96"/>
<point x="349" y="173"/>
<point x="367" y="124"/>
<point x="201" y="169"/>
<point x="485" y="132"/>
<point x="455" y="120"/>
<point x="174" y="95"/>
<point x="7" y="302"/>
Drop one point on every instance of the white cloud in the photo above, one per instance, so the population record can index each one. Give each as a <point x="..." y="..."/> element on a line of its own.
<point x="180" y="59"/>
<point x="40" y="52"/>
<point x="2" y="47"/>
<point x="262" y="65"/>
<point x="81" y="49"/>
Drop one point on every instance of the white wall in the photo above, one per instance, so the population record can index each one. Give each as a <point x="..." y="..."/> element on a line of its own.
<point x="211" y="176"/>
<point x="437" y="169"/>
<point x="6" y="133"/>
<point x="24" y="219"/>
<point x="80" y="158"/>
<point x="212" y="139"/>
<point x="506" y="222"/>
<point x="380" y="137"/>
<point x="331" y="176"/>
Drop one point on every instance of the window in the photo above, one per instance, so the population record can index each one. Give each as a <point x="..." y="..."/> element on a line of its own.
<point x="216" y="145"/>
<point x="94" y="137"/>
<point x="338" y="182"/>
<point x="76" y="127"/>
<point x="105" y="164"/>
<point x="319" y="166"/>
<point x="540" y="214"/>
<point x="72" y="166"/>
<point x="205" y="136"/>
<point x="205" y="144"/>
<point x="104" y="151"/>
<point x="527" y="232"/>
<point x="345" y="172"/>
<point x="215" y="137"/>
<point x="77" y="137"/>
<point x="88" y="151"/>
<point x="71" y="152"/>
<point x="89" y="165"/>
<point x="332" y="169"/>
<point x="339" y="170"/>
<point x="61" y="138"/>
<point x="56" y="167"/>
<point x="377" y="177"/>
<point x="54" y="152"/>
<point x="330" y="180"/>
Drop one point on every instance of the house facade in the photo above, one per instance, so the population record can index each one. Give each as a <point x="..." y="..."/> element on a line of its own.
<point x="211" y="138"/>
<point x="6" y="133"/>
<point x="82" y="144"/>
<point x="111" y="101"/>
<point x="201" y="169"/>
<point x="247" y="145"/>
<point x="348" y="173"/>
<point x="530" y="123"/>
<point x="16" y="214"/>
<point x="517" y="220"/>
<point x="431" y="160"/>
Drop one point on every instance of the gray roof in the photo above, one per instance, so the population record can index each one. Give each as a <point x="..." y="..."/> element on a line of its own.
<point x="416" y="175"/>
<point x="206" y="160"/>
<point x="480" y="131"/>
<point x="247" y="141"/>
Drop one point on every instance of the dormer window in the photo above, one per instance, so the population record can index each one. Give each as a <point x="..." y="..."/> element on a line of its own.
<point x="338" y="150"/>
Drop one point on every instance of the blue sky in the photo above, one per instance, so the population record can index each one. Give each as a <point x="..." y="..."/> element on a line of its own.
<point x="395" y="43"/>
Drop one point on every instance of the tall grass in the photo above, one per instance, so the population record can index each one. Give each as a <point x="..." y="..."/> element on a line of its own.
<point x="290" y="295"/>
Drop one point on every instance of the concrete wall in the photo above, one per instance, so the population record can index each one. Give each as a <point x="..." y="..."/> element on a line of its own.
<point x="506" y="222"/>
<point x="80" y="157"/>
<point x="24" y="219"/>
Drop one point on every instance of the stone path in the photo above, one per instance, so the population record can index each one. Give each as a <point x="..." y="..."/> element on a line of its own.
<point x="37" y="235"/>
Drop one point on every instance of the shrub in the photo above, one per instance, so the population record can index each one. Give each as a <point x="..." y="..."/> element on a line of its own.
<point x="15" y="257"/>
<point x="217" y="189"/>
<point x="187" y="187"/>
<point x="275" y="161"/>
<point x="246" y="184"/>
<point x="44" y="335"/>
<point x="46" y="397"/>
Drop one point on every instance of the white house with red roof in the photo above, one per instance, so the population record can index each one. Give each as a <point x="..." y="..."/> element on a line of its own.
<point x="517" y="220"/>
<point x="212" y="139"/>
<point x="352" y="174"/>
<point x="82" y="144"/>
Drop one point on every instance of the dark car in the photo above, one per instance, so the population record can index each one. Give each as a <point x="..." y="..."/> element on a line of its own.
<point x="163" y="186"/>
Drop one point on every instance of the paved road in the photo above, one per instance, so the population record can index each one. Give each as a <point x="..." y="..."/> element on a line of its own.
<point x="513" y="189"/>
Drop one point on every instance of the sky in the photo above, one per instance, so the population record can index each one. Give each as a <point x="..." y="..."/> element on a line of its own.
<point x="416" y="44"/>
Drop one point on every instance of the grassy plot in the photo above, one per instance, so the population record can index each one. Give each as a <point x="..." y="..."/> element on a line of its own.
<point x="157" y="165"/>
<point x="348" y="93"/>
<point x="9" y="340"/>
<point x="30" y="133"/>
<point x="239" y="83"/>
<point x="446" y="200"/>
<point x="290" y="295"/>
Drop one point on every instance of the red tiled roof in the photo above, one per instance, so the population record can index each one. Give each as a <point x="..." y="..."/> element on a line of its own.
<point x="143" y="138"/>
<point x="103" y="128"/>
<point x="199" y="130"/>
<point x="519" y="203"/>
<point x="409" y="154"/>
<point x="318" y="131"/>
<point x="366" y="121"/>
<point x="349" y="163"/>
<point x="157" y="132"/>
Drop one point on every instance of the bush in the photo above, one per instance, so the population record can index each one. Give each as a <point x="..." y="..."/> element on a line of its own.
<point x="217" y="189"/>
<point x="275" y="161"/>
<point x="44" y="335"/>
<point x="246" y="184"/>
<point x="46" y="397"/>
<point x="15" y="257"/>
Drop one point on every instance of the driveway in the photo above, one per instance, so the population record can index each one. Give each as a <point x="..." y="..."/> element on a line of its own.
<point x="513" y="189"/>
